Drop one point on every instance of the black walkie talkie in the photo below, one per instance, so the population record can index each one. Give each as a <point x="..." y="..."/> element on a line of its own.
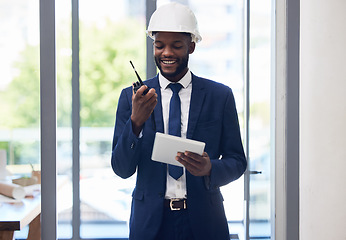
<point x="136" y="86"/>
<point x="139" y="83"/>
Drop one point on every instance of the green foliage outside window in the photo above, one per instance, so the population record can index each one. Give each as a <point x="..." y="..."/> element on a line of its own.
<point x="105" y="52"/>
<point x="105" y="68"/>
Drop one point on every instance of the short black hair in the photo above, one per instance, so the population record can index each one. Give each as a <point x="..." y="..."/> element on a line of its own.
<point x="185" y="33"/>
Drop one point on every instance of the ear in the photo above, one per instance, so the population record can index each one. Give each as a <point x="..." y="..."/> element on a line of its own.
<point x="192" y="47"/>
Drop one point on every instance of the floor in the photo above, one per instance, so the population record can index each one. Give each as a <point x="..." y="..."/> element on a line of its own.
<point x="106" y="230"/>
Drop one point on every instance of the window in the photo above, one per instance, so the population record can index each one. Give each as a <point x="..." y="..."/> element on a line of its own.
<point x="111" y="34"/>
<point x="20" y="86"/>
<point x="259" y="123"/>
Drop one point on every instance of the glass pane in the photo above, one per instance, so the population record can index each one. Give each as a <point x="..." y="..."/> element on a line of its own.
<point x="19" y="91"/>
<point x="64" y="132"/>
<point x="259" y="142"/>
<point x="111" y="34"/>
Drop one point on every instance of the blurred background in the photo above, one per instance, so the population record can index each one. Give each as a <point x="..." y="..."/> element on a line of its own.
<point x="110" y="34"/>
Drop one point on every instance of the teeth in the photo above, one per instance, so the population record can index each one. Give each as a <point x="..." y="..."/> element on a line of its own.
<point x="168" y="62"/>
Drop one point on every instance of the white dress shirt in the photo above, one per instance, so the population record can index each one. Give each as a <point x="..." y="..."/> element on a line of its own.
<point x="176" y="188"/>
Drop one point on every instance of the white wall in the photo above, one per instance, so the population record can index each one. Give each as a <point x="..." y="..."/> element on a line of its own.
<point x="323" y="120"/>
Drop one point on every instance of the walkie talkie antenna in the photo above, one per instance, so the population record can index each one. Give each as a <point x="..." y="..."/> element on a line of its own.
<point x="139" y="78"/>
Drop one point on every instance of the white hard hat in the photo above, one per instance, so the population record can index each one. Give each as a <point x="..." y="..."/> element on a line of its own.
<point x="174" y="17"/>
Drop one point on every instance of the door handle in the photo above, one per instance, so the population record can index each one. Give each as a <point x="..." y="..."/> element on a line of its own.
<point x="255" y="172"/>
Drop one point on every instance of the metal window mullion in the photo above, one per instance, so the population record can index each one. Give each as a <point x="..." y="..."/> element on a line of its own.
<point x="292" y="121"/>
<point x="286" y="188"/>
<point x="150" y="7"/>
<point x="247" y="117"/>
<point x="75" y="122"/>
<point x="48" y="119"/>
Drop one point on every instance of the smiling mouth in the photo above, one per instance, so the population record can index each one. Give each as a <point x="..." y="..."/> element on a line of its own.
<point x="168" y="62"/>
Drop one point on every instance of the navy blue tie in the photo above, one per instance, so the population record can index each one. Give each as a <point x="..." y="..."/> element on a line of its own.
<point x="174" y="124"/>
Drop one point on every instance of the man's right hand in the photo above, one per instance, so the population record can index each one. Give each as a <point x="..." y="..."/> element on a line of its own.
<point x="142" y="107"/>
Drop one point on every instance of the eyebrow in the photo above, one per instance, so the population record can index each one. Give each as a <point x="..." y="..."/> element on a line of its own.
<point x="177" y="41"/>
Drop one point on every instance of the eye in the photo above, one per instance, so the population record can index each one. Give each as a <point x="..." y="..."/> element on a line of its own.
<point x="158" y="46"/>
<point x="177" y="46"/>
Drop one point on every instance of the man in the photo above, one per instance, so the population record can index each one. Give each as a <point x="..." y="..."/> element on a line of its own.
<point x="176" y="203"/>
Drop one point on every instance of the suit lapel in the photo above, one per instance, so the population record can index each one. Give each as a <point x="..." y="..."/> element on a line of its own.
<point x="154" y="83"/>
<point x="158" y="108"/>
<point x="196" y="103"/>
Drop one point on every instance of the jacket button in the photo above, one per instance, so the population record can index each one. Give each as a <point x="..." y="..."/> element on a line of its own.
<point x="132" y="145"/>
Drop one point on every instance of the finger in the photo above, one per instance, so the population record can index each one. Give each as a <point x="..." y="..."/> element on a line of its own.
<point x="151" y="94"/>
<point x="152" y="100"/>
<point x="194" y="156"/>
<point x="189" y="167"/>
<point x="144" y="99"/>
<point x="142" y="89"/>
<point x="195" y="168"/>
<point x="152" y="91"/>
<point x="188" y="162"/>
<point x="198" y="158"/>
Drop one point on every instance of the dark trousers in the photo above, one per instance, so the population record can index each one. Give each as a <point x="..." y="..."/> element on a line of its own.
<point x="175" y="226"/>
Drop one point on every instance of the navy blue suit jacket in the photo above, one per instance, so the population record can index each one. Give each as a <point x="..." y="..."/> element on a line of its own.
<point x="213" y="119"/>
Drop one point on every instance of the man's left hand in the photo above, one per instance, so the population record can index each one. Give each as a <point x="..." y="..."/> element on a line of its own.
<point x="197" y="165"/>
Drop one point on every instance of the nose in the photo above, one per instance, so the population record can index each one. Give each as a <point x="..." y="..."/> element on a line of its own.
<point x="167" y="52"/>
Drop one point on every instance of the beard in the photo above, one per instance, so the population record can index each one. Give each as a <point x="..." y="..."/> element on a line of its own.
<point x="181" y="67"/>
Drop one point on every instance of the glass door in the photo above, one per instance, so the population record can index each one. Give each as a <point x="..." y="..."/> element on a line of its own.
<point x="258" y="176"/>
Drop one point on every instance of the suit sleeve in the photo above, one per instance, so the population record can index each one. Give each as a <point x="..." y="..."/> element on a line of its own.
<point x="125" y="147"/>
<point x="233" y="162"/>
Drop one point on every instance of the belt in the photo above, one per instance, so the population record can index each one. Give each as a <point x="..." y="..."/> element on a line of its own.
<point x="175" y="204"/>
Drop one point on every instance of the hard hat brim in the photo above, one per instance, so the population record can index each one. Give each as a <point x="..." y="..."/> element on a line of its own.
<point x="195" y="38"/>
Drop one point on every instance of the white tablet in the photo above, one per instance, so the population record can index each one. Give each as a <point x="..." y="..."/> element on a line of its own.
<point x="167" y="146"/>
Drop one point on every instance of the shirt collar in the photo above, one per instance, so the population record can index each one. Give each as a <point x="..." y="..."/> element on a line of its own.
<point x="185" y="81"/>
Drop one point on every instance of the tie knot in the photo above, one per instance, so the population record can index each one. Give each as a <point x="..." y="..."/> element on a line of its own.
<point x="175" y="87"/>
